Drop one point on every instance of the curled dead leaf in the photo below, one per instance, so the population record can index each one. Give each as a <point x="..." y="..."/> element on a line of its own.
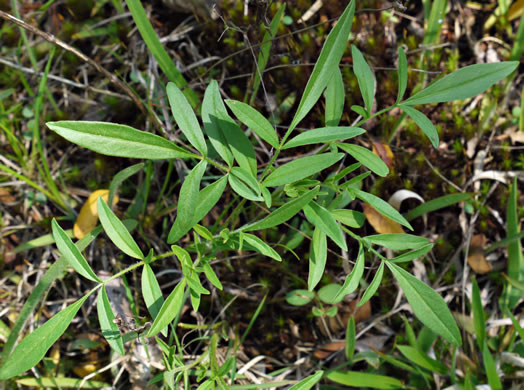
<point x="476" y="259"/>
<point x="88" y="217"/>
<point x="380" y="223"/>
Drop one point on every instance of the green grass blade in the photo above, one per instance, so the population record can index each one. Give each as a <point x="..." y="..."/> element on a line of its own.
<point x="364" y="380"/>
<point x="491" y="369"/>
<point x="424" y="123"/>
<point x="437" y="204"/>
<point x="402" y="73"/>
<point x="155" y="46"/>
<point x="478" y="315"/>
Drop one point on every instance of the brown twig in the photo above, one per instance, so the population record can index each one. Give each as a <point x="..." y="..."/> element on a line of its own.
<point x="51" y="38"/>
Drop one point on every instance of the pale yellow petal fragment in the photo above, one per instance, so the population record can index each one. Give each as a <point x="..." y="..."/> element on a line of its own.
<point x="88" y="217"/>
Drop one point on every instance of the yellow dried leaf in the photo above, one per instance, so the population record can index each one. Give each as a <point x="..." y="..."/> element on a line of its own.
<point x="380" y="223"/>
<point x="476" y="259"/>
<point x="88" y="217"/>
<point x="516" y="10"/>
<point x="384" y="152"/>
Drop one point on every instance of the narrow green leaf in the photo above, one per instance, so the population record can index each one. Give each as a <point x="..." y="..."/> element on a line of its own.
<point x="366" y="81"/>
<point x="334" y="96"/>
<point x="120" y="177"/>
<point x="152" y="293"/>
<point x="366" y="157"/>
<point x="437" y="204"/>
<point x="207" y="199"/>
<point x="36" y="344"/>
<point x="309" y="382"/>
<point x="185" y="118"/>
<point x="61" y="382"/>
<point x="322" y="218"/>
<point x="244" y="184"/>
<point x="351" y="218"/>
<point x="417" y="357"/>
<point x="212" y="276"/>
<point x="373" y="286"/>
<point x="402" y="73"/>
<point x="255" y="121"/>
<point x="326" y="64"/>
<point x="428" y="306"/>
<point x="106" y="316"/>
<point x="412" y="255"/>
<point x="517" y="326"/>
<point x="381" y="206"/>
<point x="170" y="309"/>
<point x="478" y="315"/>
<point x="364" y="380"/>
<point x="238" y="142"/>
<point x="260" y="246"/>
<point x="351" y="340"/>
<point x="301" y="168"/>
<point x="263" y="55"/>
<point x="463" y="83"/>
<point x="511" y="296"/>
<point x="72" y="254"/>
<point x="117" y="231"/>
<point x="491" y="369"/>
<point x="284" y="212"/>
<point x="317" y="258"/>
<point x="299" y="297"/>
<point x="423" y="122"/>
<point x="187" y="202"/>
<point x="353" y="279"/>
<point x="117" y="140"/>
<point x="155" y="47"/>
<point x="323" y="135"/>
<point x="211" y="107"/>
<point x="397" y="241"/>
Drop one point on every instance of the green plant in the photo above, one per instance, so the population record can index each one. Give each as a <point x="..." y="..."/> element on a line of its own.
<point x="287" y="190"/>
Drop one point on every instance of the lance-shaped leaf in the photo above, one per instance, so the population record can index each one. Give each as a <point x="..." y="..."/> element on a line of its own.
<point x="323" y="135"/>
<point x="334" y="96"/>
<point x="479" y="319"/>
<point x="211" y="107"/>
<point x="367" y="158"/>
<point x="373" y="286"/>
<point x="117" y="231"/>
<point x="244" y="184"/>
<point x="238" y="143"/>
<point x="187" y="201"/>
<point x="353" y="279"/>
<point x="464" y="83"/>
<point x="402" y="73"/>
<point x="169" y="310"/>
<point x="317" y="258"/>
<point x="72" y="254"/>
<point x="119" y="178"/>
<point x="351" y="340"/>
<point x="35" y="345"/>
<point x="366" y="81"/>
<point x="117" y="140"/>
<point x="207" y="199"/>
<point x="152" y="293"/>
<point x="417" y="357"/>
<point x="397" y="241"/>
<point x="284" y="212"/>
<point x="423" y="122"/>
<point x="412" y="255"/>
<point x="428" y="306"/>
<point x="351" y="218"/>
<point x="309" y="382"/>
<point x="322" y="219"/>
<point x="301" y="168"/>
<point x="365" y="380"/>
<point x="260" y="246"/>
<point x="109" y="328"/>
<point x="326" y="64"/>
<point x="185" y="118"/>
<point x="381" y="206"/>
<point x="255" y="121"/>
<point x="437" y="204"/>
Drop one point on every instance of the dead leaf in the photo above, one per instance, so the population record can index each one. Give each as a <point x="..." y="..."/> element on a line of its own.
<point x="476" y="259"/>
<point x="384" y="152"/>
<point x="516" y="10"/>
<point x="88" y="217"/>
<point x="380" y="223"/>
<point x="329" y="349"/>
